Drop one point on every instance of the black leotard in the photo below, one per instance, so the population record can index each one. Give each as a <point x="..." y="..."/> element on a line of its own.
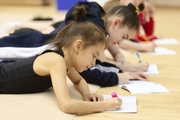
<point x="19" y="77"/>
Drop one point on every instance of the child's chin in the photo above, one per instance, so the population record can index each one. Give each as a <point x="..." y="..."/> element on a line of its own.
<point x="81" y="70"/>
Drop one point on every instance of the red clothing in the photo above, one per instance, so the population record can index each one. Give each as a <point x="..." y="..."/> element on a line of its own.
<point x="148" y="29"/>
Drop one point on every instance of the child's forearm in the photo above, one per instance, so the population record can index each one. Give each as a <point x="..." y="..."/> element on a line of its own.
<point x="127" y="44"/>
<point x="119" y="57"/>
<point x="129" y="67"/>
<point x="82" y="87"/>
<point x="82" y="107"/>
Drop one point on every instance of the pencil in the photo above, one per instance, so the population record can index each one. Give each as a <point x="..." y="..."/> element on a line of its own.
<point x="137" y="54"/>
<point x="122" y="65"/>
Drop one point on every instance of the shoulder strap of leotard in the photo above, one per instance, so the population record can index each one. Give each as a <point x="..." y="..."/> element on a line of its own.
<point x="60" y="52"/>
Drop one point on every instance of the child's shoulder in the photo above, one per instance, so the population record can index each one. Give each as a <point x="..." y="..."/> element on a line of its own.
<point x="57" y="52"/>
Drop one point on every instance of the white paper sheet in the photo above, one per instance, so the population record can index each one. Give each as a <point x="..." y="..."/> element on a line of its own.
<point x="166" y="41"/>
<point x="143" y="87"/>
<point x="128" y="104"/>
<point x="152" y="69"/>
<point x="162" y="51"/>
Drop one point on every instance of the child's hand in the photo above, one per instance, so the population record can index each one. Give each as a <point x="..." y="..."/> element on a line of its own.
<point x="139" y="76"/>
<point x="93" y="97"/>
<point x="124" y="77"/>
<point x="112" y="103"/>
<point x="147" y="46"/>
<point x="142" y="66"/>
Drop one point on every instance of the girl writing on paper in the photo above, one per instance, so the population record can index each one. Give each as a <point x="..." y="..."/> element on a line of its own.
<point x="75" y="49"/>
<point x="112" y="23"/>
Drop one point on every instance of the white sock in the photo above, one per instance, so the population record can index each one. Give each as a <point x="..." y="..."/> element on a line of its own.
<point x="7" y="27"/>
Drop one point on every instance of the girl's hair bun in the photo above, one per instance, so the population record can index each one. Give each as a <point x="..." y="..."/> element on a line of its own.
<point x="137" y="9"/>
<point x="79" y="13"/>
<point x="141" y="7"/>
<point x="130" y="5"/>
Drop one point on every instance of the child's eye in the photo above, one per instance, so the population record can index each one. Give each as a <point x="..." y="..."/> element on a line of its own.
<point x="126" y="37"/>
<point x="123" y="37"/>
<point x="94" y="56"/>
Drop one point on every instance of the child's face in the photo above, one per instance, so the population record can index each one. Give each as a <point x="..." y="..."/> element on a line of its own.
<point x="118" y="34"/>
<point x="87" y="57"/>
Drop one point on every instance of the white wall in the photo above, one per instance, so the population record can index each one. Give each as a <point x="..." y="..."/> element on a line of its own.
<point x="101" y="2"/>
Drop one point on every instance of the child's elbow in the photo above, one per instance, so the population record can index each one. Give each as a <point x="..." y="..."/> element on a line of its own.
<point x="66" y="107"/>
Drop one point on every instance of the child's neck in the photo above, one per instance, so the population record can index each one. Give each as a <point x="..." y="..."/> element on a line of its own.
<point x="68" y="59"/>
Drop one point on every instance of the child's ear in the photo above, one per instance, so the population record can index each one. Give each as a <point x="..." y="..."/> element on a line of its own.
<point x="117" y="21"/>
<point x="78" y="44"/>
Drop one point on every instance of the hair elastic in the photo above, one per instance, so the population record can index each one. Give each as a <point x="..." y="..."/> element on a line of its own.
<point x="137" y="10"/>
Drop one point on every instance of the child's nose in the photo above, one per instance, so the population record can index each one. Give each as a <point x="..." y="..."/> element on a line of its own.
<point x="93" y="62"/>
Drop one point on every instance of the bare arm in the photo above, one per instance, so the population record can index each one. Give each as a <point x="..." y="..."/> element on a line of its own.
<point x="79" y="83"/>
<point x="138" y="46"/>
<point x="128" y="66"/>
<point x="117" y="58"/>
<point x="82" y="86"/>
<point x="125" y="77"/>
<point x="53" y="64"/>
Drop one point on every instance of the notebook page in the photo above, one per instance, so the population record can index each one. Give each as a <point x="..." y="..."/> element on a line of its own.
<point x="166" y="41"/>
<point x="162" y="51"/>
<point x="143" y="87"/>
<point x="128" y="104"/>
<point x="152" y="69"/>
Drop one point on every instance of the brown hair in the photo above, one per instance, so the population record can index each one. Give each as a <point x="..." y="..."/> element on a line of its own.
<point x="86" y="31"/>
<point x="128" y="13"/>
